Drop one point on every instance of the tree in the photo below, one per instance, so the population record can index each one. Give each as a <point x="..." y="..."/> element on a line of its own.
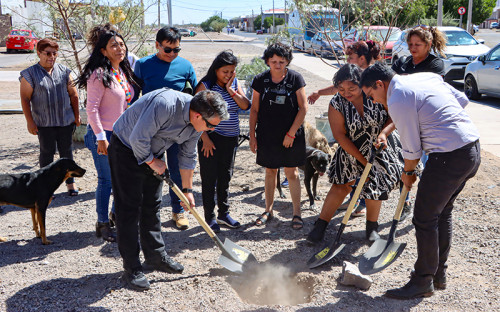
<point x="207" y="25"/>
<point x="257" y="22"/>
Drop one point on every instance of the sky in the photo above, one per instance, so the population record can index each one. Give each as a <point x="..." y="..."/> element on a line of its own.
<point x="197" y="11"/>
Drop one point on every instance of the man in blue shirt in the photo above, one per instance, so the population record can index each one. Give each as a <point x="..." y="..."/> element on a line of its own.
<point x="429" y="115"/>
<point x="167" y="69"/>
<point x="140" y="137"/>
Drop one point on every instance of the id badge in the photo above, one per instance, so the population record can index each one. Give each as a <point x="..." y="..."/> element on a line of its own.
<point x="280" y="99"/>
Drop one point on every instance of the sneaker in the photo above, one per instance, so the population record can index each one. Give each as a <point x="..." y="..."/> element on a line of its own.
<point x="214" y="226"/>
<point x="228" y="221"/>
<point x="284" y="183"/>
<point x="181" y="221"/>
<point x="407" y="211"/>
<point x="136" y="280"/>
<point x="166" y="264"/>
<point x="359" y="211"/>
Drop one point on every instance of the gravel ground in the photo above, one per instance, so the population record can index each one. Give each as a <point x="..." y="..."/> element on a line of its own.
<point x="80" y="272"/>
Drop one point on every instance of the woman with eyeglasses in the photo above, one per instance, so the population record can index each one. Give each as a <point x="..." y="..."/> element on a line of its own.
<point x="217" y="148"/>
<point x="278" y="111"/>
<point x="50" y="104"/>
<point x="109" y="82"/>
<point x="421" y="41"/>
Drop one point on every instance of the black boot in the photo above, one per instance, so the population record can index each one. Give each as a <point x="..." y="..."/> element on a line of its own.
<point x="371" y="231"/>
<point x="102" y="229"/>
<point x="317" y="234"/>
<point x="415" y="288"/>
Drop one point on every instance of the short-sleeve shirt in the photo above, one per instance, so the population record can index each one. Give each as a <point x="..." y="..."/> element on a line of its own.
<point x="230" y="127"/>
<point x="432" y="64"/>
<point x="50" y="102"/>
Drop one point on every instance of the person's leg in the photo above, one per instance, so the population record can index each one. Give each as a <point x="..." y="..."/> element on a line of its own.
<point x="47" y="140"/>
<point x="292" y="174"/>
<point x="178" y="216"/>
<point x="208" y="174"/>
<point x="269" y="189"/>
<point x="372" y="213"/>
<point x="225" y="154"/>
<point x="64" y="141"/>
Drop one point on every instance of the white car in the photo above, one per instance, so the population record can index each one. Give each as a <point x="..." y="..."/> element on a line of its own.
<point x="461" y="49"/>
<point x="482" y="75"/>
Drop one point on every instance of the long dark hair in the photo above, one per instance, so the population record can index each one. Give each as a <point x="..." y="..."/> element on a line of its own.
<point x="97" y="60"/>
<point x="223" y="59"/>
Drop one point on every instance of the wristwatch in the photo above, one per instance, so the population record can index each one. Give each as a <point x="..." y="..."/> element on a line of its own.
<point x="187" y="190"/>
<point x="410" y="173"/>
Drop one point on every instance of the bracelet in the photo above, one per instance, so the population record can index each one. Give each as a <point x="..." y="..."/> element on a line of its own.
<point x="410" y="173"/>
<point x="187" y="190"/>
<point x="232" y="95"/>
<point x="150" y="162"/>
<point x="288" y="135"/>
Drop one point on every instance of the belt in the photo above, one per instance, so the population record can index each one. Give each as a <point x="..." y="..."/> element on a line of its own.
<point x="468" y="145"/>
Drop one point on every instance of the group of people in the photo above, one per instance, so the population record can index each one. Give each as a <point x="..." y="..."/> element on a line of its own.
<point x="177" y="120"/>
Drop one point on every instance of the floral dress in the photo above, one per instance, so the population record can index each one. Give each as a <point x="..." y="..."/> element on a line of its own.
<point x="385" y="174"/>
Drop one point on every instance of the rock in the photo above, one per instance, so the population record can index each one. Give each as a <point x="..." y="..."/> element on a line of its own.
<point x="352" y="277"/>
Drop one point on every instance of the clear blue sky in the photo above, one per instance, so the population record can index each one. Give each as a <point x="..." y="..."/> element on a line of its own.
<point x="197" y="11"/>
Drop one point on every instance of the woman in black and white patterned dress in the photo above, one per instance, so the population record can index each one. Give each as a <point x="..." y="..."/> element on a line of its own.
<point x="356" y="124"/>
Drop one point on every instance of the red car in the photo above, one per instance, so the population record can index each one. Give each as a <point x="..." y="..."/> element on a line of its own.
<point x="382" y="34"/>
<point x="20" y="39"/>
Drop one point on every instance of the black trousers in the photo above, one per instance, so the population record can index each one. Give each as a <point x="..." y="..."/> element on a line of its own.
<point x="137" y="195"/>
<point x="216" y="172"/>
<point x="52" y="137"/>
<point x="443" y="178"/>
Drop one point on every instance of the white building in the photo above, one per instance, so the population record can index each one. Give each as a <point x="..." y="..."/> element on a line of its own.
<point x="28" y="15"/>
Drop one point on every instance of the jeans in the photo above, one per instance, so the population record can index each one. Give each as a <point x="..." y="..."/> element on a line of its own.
<point x="137" y="195"/>
<point x="175" y="175"/>
<point x="103" y="191"/>
<point x="52" y="137"/>
<point x="443" y="178"/>
<point x="216" y="172"/>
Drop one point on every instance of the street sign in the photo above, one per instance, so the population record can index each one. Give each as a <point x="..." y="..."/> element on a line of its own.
<point x="461" y="10"/>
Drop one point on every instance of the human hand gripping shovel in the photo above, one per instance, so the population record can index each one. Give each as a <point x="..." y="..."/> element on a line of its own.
<point x="234" y="258"/>
<point x="332" y="249"/>
<point x="383" y="253"/>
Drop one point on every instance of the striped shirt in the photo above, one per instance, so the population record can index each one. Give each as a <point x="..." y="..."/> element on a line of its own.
<point x="230" y="127"/>
<point x="50" y="102"/>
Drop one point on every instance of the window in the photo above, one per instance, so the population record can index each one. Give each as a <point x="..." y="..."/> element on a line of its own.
<point x="495" y="55"/>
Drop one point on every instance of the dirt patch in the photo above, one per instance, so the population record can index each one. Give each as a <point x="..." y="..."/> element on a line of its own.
<point x="79" y="272"/>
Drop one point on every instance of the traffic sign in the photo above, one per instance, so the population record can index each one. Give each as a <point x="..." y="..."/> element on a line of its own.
<point x="461" y="10"/>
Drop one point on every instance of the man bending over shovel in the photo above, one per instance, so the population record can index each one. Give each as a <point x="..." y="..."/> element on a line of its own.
<point x="429" y="115"/>
<point x="140" y="137"/>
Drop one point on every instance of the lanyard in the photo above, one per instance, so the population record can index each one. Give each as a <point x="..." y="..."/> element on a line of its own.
<point x="124" y="83"/>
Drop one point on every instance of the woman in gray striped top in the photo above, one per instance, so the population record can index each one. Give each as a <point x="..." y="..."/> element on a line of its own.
<point x="217" y="149"/>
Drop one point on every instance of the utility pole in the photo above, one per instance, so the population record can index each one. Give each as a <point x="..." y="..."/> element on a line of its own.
<point x="169" y="9"/>
<point x="253" y="19"/>
<point x="469" y="18"/>
<point x="159" y="23"/>
<point x="440" y="13"/>
<point x="261" y="18"/>
<point x="274" y="29"/>
<point x="285" y="16"/>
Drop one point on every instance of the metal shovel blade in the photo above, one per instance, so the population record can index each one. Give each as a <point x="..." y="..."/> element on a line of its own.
<point x="325" y="254"/>
<point x="380" y="256"/>
<point x="235" y="258"/>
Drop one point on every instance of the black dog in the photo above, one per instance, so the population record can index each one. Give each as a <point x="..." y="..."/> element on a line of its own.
<point x="34" y="190"/>
<point x="316" y="165"/>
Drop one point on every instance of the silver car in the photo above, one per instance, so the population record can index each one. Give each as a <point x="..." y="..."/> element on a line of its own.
<point x="461" y="49"/>
<point x="482" y="76"/>
<point x="328" y="45"/>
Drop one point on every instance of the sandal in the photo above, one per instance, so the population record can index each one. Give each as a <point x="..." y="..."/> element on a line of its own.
<point x="297" y="225"/>
<point x="264" y="218"/>
<point x="73" y="192"/>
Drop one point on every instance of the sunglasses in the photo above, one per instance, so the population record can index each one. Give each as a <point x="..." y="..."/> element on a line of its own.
<point x="49" y="53"/>
<point x="168" y="50"/>
<point x="209" y="125"/>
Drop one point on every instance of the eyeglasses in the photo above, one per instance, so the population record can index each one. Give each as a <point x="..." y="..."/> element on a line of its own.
<point x="168" y="50"/>
<point x="209" y="125"/>
<point x="49" y="54"/>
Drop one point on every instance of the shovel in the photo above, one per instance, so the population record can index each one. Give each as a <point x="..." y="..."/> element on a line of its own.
<point x="234" y="258"/>
<point x="383" y="253"/>
<point x="332" y="249"/>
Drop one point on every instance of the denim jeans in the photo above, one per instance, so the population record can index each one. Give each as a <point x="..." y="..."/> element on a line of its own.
<point x="52" y="137"/>
<point x="103" y="191"/>
<point x="175" y="175"/>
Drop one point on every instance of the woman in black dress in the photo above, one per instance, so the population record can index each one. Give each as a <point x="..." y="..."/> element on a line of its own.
<point x="356" y="124"/>
<point x="276" y="133"/>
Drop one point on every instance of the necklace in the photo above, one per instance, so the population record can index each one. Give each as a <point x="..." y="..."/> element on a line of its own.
<point x="124" y="84"/>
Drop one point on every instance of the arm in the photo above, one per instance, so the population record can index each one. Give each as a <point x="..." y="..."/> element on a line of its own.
<point x="73" y="96"/>
<point x="208" y="146"/>
<point x="410" y="165"/>
<point x="389" y="126"/>
<point x="254" y="112"/>
<point x="238" y="95"/>
<point x="339" y="132"/>
<point x="299" y="119"/>
<point x="95" y="92"/>
<point x="331" y="90"/>
<point x="26" y="93"/>
<point x="187" y="182"/>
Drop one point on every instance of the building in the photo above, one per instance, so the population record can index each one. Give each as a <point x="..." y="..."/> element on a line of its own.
<point x="26" y="14"/>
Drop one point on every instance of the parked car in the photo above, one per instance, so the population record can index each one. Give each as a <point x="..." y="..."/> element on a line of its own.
<point x="382" y="34"/>
<point x="493" y="25"/>
<point x="475" y="29"/>
<point x="185" y="32"/>
<point x="481" y="75"/>
<point x="21" y="39"/>
<point x="461" y="49"/>
<point x="259" y="32"/>
<point x="330" y="44"/>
